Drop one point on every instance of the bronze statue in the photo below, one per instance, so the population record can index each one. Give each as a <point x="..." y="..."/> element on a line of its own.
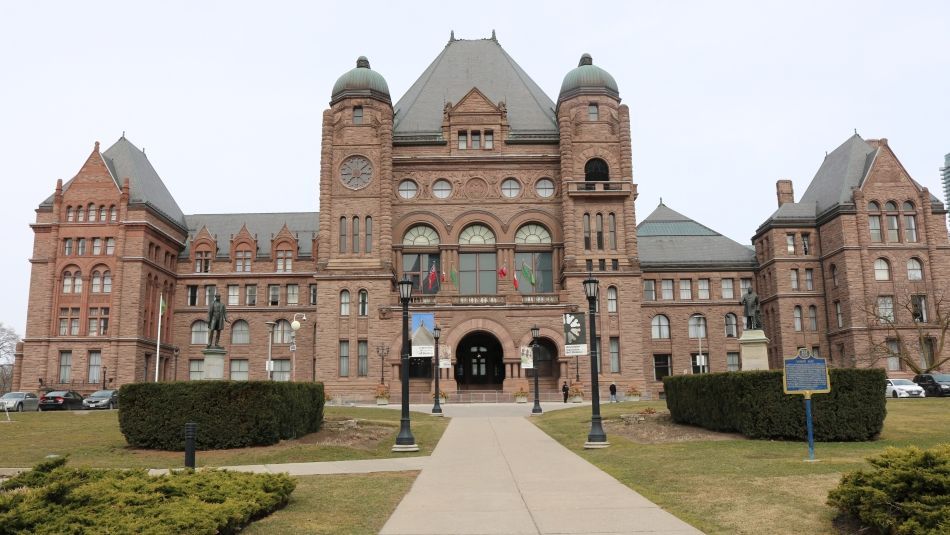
<point x="217" y="316"/>
<point x="750" y="308"/>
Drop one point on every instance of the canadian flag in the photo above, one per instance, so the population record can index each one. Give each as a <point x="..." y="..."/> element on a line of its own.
<point x="502" y="272"/>
<point x="515" y="279"/>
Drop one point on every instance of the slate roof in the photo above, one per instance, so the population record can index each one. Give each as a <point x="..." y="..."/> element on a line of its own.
<point x="667" y="238"/>
<point x="223" y="227"/>
<point x="125" y="160"/>
<point x="465" y="64"/>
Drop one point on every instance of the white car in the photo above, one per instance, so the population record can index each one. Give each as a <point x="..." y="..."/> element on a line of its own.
<point x="19" y="401"/>
<point x="903" y="388"/>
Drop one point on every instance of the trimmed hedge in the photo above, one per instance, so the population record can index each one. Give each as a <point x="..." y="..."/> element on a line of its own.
<point x="52" y="499"/>
<point x="753" y="403"/>
<point x="907" y="492"/>
<point x="229" y="414"/>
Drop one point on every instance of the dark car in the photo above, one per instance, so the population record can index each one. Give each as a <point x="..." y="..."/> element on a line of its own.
<point x="102" y="399"/>
<point x="935" y="384"/>
<point x="61" y="400"/>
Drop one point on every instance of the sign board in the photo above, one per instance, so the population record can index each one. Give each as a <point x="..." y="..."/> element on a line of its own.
<point x="269" y="366"/>
<point x="527" y="358"/>
<point x="575" y="334"/>
<point x="423" y="342"/>
<point x="806" y="374"/>
<point x="445" y="358"/>
<point x="293" y="346"/>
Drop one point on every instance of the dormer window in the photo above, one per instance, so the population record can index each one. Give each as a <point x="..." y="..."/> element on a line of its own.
<point x="463" y="140"/>
<point x="203" y="262"/>
<point x="476" y="140"/>
<point x="357" y="114"/>
<point x="489" y="140"/>
<point x="592" y="112"/>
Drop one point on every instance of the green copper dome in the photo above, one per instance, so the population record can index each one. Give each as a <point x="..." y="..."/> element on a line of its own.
<point x="588" y="76"/>
<point x="361" y="81"/>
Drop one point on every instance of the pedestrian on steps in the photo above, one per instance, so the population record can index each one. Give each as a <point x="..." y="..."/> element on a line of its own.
<point x="564" y="390"/>
<point x="613" y="392"/>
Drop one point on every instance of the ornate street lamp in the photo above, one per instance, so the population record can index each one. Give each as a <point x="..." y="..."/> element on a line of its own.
<point x="404" y="440"/>
<point x="295" y="325"/>
<point x="597" y="438"/>
<point x="535" y="351"/>
<point x="382" y="351"/>
<point x="436" y="407"/>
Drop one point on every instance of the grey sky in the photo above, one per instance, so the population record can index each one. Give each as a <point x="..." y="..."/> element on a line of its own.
<point x="226" y="98"/>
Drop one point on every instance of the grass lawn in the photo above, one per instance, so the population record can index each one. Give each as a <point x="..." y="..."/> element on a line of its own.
<point x="339" y="504"/>
<point x="744" y="486"/>
<point x="92" y="438"/>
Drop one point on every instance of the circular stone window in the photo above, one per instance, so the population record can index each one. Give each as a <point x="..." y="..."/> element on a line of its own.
<point x="442" y="189"/>
<point x="408" y="189"/>
<point x="544" y="187"/>
<point x="510" y="188"/>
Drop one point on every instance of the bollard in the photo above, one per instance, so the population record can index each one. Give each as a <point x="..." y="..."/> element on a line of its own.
<point x="191" y="430"/>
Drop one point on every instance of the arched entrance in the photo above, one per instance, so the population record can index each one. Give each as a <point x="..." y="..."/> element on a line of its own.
<point x="546" y="365"/>
<point x="479" y="362"/>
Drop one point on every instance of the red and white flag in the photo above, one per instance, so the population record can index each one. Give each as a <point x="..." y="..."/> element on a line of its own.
<point x="502" y="272"/>
<point x="432" y="276"/>
<point x="514" y="279"/>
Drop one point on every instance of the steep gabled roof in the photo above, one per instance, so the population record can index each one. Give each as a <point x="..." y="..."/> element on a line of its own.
<point x="667" y="238"/>
<point x="465" y="64"/>
<point x="303" y="225"/>
<point x="125" y="160"/>
<point x="843" y="169"/>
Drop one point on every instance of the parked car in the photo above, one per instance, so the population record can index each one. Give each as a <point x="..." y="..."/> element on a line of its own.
<point x="935" y="384"/>
<point x="102" y="399"/>
<point x="61" y="399"/>
<point x="903" y="388"/>
<point x="20" y="401"/>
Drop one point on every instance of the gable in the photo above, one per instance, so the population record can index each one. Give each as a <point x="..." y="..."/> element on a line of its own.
<point x="475" y="103"/>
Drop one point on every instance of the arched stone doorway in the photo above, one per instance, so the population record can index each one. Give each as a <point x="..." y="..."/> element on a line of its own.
<point x="479" y="362"/>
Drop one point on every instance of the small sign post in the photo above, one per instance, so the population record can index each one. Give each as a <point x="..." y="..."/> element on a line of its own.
<point x="807" y="374"/>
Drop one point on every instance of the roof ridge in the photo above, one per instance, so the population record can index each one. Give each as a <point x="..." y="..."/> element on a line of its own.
<point x="427" y="74"/>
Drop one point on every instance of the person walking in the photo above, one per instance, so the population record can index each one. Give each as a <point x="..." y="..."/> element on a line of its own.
<point x="613" y="392"/>
<point x="565" y="390"/>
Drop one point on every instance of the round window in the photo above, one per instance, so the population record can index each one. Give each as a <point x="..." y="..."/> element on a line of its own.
<point x="408" y="189"/>
<point x="510" y="188"/>
<point x="544" y="187"/>
<point x="442" y="189"/>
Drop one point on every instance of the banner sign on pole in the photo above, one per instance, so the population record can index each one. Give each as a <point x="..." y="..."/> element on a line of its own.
<point x="423" y="342"/>
<point x="806" y="374"/>
<point x="445" y="358"/>
<point x="575" y="334"/>
<point x="527" y="358"/>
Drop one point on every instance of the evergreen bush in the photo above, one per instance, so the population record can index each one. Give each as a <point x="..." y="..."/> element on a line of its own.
<point x="229" y="414"/>
<point x="906" y="492"/>
<point x="53" y="499"/>
<point x="753" y="403"/>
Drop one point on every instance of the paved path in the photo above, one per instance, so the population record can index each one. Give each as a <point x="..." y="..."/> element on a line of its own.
<point x="494" y="472"/>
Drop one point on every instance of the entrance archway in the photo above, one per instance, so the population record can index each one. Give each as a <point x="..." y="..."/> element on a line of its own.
<point x="479" y="362"/>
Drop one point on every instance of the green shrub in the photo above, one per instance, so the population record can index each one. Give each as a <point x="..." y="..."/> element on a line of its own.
<point x="907" y="492"/>
<point x="229" y="414"/>
<point x="55" y="499"/>
<point x="753" y="403"/>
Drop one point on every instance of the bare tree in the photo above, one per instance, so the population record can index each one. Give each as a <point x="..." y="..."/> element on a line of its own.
<point x="8" y="341"/>
<point x="911" y="325"/>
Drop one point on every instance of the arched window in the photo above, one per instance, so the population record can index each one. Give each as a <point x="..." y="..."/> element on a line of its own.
<point x="420" y="258"/>
<point x="532" y="234"/>
<point x="612" y="231"/>
<point x="834" y="275"/>
<point x="596" y="170"/>
<point x="612" y="299"/>
<point x="345" y="303"/>
<point x="240" y="332"/>
<point x="70" y="214"/>
<point x="92" y="213"/>
<point x="106" y="282"/>
<point x="67" y="282"/>
<point x="893" y="219"/>
<point x="882" y="270"/>
<point x="910" y="222"/>
<point x="533" y="267"/>
<point x="102" y="214"/>
<point x="477" y="235"/>
<point x="660" y="327"/>
<point x="915" y="270"/>
<point x="477" y="269"/>
<point x="587" y="231"/>
<point x="363" y="303"/>
<point x="697" y="326"/>
<point x="797" y="314"/>
<point x="77" y="282"/>
<point x="600" y="231"/>
<point x="199" y="332"/>
<point x="113" y="214"/>
<point x="813" y="318"/>
<point x="96" y="282"/>
<point x="355" y="231"/>
<point x="368" y="242"/>
<point x="421" y="235"/>
<point x="343" y="234"/>
<point x="283" y="334"/>
<point x="874" y="222"/>
<point x="731" y="326"/>
<point x="80" y="214"/>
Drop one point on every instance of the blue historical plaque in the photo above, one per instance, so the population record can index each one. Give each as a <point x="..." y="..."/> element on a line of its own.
<point x="806" y="374"/>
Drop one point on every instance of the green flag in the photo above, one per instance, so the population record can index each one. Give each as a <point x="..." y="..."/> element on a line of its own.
<point x="455" y="278"/>
<point x="527" y="273"/>
<point x="163" y="305"/>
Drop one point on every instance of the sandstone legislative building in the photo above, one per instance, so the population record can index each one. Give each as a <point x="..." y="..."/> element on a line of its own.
<point x="497" y="202"/>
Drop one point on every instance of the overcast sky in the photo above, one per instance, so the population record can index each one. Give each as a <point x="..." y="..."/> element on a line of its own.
<point x="226" y="97"/>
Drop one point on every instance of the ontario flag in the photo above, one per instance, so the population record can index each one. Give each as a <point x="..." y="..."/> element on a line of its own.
<point x="514" y="279"/>
<point x="433" y="276"/>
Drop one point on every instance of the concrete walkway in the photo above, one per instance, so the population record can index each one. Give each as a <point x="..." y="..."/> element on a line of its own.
<point x="494" y="472"/>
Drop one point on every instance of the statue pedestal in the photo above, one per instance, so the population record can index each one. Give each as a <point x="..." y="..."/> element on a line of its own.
<point x="214" y="363"/>
<point x="753" y="347"/>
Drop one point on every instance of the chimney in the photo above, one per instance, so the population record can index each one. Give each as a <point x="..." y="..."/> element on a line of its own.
<point x="784" y="191"/>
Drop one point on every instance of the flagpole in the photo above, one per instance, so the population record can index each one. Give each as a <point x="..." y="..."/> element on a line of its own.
<point x="158" y="335"/>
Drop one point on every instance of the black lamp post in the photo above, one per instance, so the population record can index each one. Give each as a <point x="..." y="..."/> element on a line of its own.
<point x="382" y="351"/>
<point x="404" y="440"/>
<point x="436" y="407"/>
<point x="597" y="438"/>
<point x="535" y="334"/>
